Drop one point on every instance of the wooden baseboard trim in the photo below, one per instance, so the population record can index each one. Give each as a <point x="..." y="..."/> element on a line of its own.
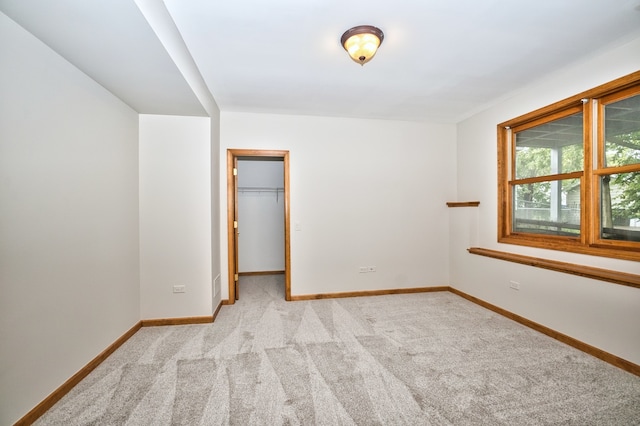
<point x="217" y="311"/>
<point x="367" y="293"/>
<point x="246" y="274"/>
<point x="608" y="275"/>
<point x="57" y="394"/>
<point x="177" y="321"/>
<point x="584" y="347"/>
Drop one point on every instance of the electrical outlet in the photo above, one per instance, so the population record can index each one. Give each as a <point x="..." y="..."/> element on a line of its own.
<point x="514" y="285"/>
<point x="179" y="288"/>
<point x="371" y="269"/>
<point x="363" y="269"/>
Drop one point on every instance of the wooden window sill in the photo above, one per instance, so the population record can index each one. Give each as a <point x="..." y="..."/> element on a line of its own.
<point x="608" y="275"/>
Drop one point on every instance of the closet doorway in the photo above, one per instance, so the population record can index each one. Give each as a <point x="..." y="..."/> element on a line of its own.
<point x="279" y="193"/>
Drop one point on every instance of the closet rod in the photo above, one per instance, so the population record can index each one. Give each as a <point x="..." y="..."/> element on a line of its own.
<point x="259" y="189"/>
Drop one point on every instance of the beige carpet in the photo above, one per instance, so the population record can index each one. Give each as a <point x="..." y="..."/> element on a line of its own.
<point x="419" y="359"/>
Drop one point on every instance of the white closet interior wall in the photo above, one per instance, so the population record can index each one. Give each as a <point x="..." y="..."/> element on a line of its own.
<point x="261" y="215"/>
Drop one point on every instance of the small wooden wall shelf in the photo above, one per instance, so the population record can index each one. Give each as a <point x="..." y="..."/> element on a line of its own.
<point x="463" y="203"/>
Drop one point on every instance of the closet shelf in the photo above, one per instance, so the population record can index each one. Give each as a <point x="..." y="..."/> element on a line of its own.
<point x="262" y="190"/>
<point x="259" y="189"/>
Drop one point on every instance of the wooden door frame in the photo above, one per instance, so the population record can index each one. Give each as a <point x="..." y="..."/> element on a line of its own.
<point x="232" y="191"/>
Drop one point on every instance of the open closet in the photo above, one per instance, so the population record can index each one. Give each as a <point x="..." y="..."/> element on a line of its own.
<point x="258" y="229"/>
<point x="260" y="189"/>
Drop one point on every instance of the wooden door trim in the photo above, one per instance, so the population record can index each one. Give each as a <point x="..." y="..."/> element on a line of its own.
<point x="233" y="154"/>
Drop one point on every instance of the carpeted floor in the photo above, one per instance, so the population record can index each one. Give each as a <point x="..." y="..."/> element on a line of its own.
<point x="415" y="359"/>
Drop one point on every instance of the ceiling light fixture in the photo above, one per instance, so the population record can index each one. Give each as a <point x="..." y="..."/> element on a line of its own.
<point x="362" y="42"/>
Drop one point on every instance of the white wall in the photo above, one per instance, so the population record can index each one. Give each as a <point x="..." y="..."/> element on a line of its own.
<point x="157" y="15"/>
<point x="364" y="193"/>
<point x="68" y="220"/>
<point x="260" y="216"/>
<point x="175" y="216"/>
<point x="601" y="314"/>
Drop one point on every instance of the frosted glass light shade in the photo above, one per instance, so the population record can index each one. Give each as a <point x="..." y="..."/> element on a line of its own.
<point x="362" y="42"/>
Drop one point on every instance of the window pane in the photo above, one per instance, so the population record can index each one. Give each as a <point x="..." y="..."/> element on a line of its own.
<point x="551" y="208"/>
<point x="622" y="132"/>
<point x="620" y="207"/>
<point x="550" y="148"/>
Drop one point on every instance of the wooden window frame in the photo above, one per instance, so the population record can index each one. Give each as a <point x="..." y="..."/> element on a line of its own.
<point x="592" y="103"/>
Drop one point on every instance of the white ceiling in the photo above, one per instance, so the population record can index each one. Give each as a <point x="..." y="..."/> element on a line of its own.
<point x="441" y="60"/>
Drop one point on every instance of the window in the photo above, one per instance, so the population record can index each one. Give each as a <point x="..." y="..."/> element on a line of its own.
<point x="569" y="174"/>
